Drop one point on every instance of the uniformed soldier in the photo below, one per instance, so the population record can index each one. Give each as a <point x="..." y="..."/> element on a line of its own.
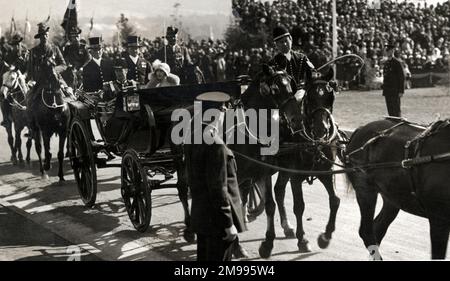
<point x="393" y="82"/>
<point x="296" y="64"/>
<point x="18" y="56"/>
<point x="98" y="72"/>
<point x="138" y="67"/>
<point x="43" y="56"/>
<point x="216" y="213"/>
<point x="76" y="56"/>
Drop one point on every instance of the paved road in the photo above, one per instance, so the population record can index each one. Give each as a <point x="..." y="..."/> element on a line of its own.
<point x="106" y="232"/>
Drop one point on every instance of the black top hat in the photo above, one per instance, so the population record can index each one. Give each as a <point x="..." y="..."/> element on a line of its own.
<point x="213" y="99"/>
<point x="120" y="63"/>
<point x="74" y="30"/>
<point x="133" y="41"/>
<point x="16" y="39"/>
<point x="95" y="42"/>
<point x="42" y="29"/>
<point x="171" y="31"/>
<point x="280" y="32"/>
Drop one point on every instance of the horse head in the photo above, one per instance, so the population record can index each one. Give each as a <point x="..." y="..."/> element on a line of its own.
<point x="272" y="90"/>
<point x="318" y="108"/>
<point x="14" y="82"/>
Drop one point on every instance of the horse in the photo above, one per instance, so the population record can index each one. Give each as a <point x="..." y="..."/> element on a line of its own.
<point x="49" y="115"/>
<point x="317" y="148"/>
<point x="408" y="170"/>
<point x="272" y="89"/>
<point x="15" y="89"/>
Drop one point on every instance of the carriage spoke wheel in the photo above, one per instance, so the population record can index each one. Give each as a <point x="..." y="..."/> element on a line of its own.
<point x="256" y="201"/>
<point x="83" y="163"/>
<point x="136" y="191"/>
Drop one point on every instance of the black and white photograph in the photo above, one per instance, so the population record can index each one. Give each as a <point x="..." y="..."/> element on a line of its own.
<point x="253" y="131"/>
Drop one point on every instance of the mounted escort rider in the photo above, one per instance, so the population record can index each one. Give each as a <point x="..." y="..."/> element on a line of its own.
<point x="76" y="56"/>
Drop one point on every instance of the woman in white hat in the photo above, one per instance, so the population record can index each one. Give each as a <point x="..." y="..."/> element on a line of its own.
<point x="161" y="76"/>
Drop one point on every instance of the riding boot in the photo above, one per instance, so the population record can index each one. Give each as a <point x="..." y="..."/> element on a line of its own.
<point x="5" y="113"/>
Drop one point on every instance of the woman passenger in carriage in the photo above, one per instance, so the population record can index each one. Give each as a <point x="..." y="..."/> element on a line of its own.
<point x="161" y="76"/>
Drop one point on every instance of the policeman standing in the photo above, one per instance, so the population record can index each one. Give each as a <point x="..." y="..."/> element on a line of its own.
<point x="216" y="214"/>
<point x="296" y="64"/>
<point x="98" y="72"/>
<point x="138" y="67"/>
<point x="393" y="82"/>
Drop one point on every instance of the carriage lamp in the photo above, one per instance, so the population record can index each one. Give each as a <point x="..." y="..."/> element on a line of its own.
<point x="132" y="103"/>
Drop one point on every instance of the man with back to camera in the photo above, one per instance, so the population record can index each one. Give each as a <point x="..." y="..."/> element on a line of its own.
<point x="393" y="82"/>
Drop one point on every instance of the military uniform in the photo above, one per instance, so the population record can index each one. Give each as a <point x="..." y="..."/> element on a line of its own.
<point x="76" y="55"/>
<point x="216" y="201"/>
<point x="43" y="54"/>
<point x="393" y="85"/>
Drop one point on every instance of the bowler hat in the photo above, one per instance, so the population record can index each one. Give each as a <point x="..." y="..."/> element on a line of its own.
<point x="42" y="29"/>
<point x="280" y="32"/>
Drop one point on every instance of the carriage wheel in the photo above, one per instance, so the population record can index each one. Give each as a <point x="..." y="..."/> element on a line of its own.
<point x="83" y="163"/>
<point x="136" y="191"/>
<point x="256" y="201"/>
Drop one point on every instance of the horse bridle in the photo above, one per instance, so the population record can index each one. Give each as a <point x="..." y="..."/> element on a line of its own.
<point x="12" y="91"/>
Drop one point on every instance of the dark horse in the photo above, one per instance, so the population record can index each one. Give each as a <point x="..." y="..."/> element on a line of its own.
<point x="49" y="115"/>
<point x="420" y="189"/>
<point x="304" y="125"/>
<point x="15" y="89"/>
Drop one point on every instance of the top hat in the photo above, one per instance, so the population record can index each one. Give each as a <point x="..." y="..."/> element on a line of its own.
<point x="95" y="42"/>
<point x="42" y="29"/>
<point x="16" y="39"/>
<point x="133" y="41"/>
<point x="280" y="32"/>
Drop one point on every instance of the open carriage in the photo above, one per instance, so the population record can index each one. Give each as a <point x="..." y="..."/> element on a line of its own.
<point x="136" y="127"/>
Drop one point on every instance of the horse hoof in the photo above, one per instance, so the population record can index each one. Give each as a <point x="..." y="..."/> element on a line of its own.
<point x="189" y="236"/>
<point x="239" y="252"/>
<point x="323" y="241"/>
<point x="289" y="233"/>
<point x="14" y="161"/>
<point x="303" y="246"/>
<point x="265" y="250"/>
<point x="44" y="177"/>
<point x="62" y="181"/>
<point x="47" y="167"/>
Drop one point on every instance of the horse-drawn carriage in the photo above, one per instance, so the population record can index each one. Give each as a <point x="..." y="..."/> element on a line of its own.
<point x="136" y="127"/>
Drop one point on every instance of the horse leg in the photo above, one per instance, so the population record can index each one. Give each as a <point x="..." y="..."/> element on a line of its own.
<point x="62" y="140"/>
<point x="48" y="156"/>
<point x="334" y="201"/>
<point x="244" y="190"/>
<point x="29" y="143"/>
<point x="265" y="250"/>
<point x="386" y="216"/>
<point x="11" y="144"/>
<point x="439" y="231"/>
<point x="367" y="200"/>
<point x="299" y="208"/>
<point x="38" y="147"/>
<point x="280" y="191"/>
<point x="18" y="143"/>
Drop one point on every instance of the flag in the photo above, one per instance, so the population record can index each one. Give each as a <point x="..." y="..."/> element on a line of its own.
<point x="13" y="27"/>
<point x="92" y="24"/>
<point x="27" y="28"/>
<point x="70" y="17"/>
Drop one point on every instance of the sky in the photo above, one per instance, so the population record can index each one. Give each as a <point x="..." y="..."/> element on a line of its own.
<point x="39" y="9"/>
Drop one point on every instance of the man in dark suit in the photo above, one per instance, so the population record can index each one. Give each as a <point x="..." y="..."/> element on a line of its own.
<point x="216" y="214"/>
<point x="393" y="82"/>
<point x="98" y="73"/>
<point x="296" y="64"/>
<point x="138" y="67"/>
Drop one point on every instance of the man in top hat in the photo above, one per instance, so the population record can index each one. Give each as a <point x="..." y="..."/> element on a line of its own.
<point x="138" y="67"/>
<point x="296" y="64"/>
<point x="98" y="72"/>
<point x="393" y="81"/>
<point x="216" y="212"/>
<point x="177" y="57"/>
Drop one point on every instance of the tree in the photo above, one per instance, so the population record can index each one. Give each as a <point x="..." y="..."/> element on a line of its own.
<point x="125" y="29"/>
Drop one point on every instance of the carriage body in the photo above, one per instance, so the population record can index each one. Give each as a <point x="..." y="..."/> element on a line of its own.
<point x="135" y="127"/>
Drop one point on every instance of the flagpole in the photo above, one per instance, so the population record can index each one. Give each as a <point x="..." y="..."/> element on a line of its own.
<point x="25" y="27"/>
<point x="164" y="42"/>
<point x="335" y="35"/>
